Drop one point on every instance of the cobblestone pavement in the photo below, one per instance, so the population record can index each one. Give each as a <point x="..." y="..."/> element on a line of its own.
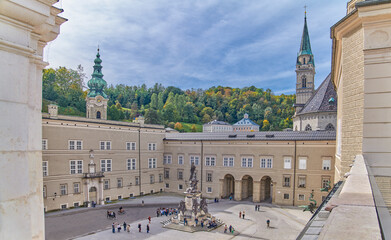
<point x="286" y="223"/>
<point x="69" y="224"/>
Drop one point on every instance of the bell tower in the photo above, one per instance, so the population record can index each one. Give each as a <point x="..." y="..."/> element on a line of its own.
<point x="97" y="99"/>
<point x="305" y="70"/>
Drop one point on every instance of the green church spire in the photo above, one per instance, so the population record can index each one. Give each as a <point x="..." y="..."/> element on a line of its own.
<point x="305" y="46"/>
<point x="97" y="84"/>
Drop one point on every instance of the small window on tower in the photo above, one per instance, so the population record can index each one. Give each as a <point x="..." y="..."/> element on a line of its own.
<point x="303" y="60"/>
<point x="98" y="115"/>
<point x="303" y="82"/>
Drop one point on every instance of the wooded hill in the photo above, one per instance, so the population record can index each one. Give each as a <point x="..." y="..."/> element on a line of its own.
<point x="169" y="105"/>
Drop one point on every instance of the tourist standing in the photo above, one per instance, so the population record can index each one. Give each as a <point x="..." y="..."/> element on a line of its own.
<point x="147" y="228"/>
<point x="139" y="227"/>
<point x="256" y="207"/>
<point x="124" y="226"/>
<point x="119" y="227"/>
<point x="268" y="223"/>
<point x="225" y="228"/>
<point x="113" y="227"/>
<point x="243" y="214"/>
<point x="230" y="228"/>
<point x="128" y="228"/>
<point x="240" y="214"/>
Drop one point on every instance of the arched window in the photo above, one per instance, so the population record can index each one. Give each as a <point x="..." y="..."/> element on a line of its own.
<point x="98" y="115"/>
<point x="303" y="82"/>
<point x="303" y="60"/>
<point x="308" y="127"/>
<point x="330" y="127"/>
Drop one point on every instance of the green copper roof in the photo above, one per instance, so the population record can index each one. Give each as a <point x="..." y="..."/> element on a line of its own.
<point x="97" y="84"/>
<point x="305" y="46"/>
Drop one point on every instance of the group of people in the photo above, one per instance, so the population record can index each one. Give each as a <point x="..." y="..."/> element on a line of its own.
<point x="111" y="214"/>
<point x="231" y="229"/>
<point x="166" y="211"/>
<point x="242" y="214"/>
<point x="119" y="227"/>
<point x="257" y="207"/>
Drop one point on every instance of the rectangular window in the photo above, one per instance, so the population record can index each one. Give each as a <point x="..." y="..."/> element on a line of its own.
<point x="45" y="168"/>
<point x="107" y="199"/>
<point x="44" y="191"/>
<point x="209" y="177"/>
<point x="137" y="181"/>
<point x="209" y="189"/>
<point x="63" y="189"/>
<point x="152" y="163"/>
<point x="166" y="173"/>
<point x="119" y="182"/>
<point x="167" y="185"/>
<point x="210" y="161"/>
<point x="302" y="181"/>
<point x="76" y="204"/>
<point x="105" y="165"/>
<point x="180" y="159"/>
<point x="160" y="178"/>
<point x="75" y="145"/>
<point x="180" y="174"/>
<point x="105" y="145"/>
<point x="180" y="186"/>
<point x="76" y="166"/>
<point x="131" y="164"/>
<point x="287" y="181"/>
<point x="76" y="187"/>
<point x="287" y="162"/>
<point x="326" y="164"/>
<point x="247" y="162"/>
<point x="152" y="146"/>
<point x="106" y="184"/>
<point x="286" y="196"/>
<point x="151" y="179"/>
<point x="325" y="182"/>
<point x="301" y="197"/>
<point x="64" y="206"/>
<point x="44" y="144"/>
<point x="228" y="161"/>
<point x="302" y="163"/>
<point x="266" y="162"/>
<point x="195" y="160"/>
<point x="167" y="159"/>
<point x="131" y="146"/>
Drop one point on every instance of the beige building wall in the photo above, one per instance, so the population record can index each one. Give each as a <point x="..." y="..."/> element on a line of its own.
<point x="314" y="151"/>
<point x="350" y="99"/>
<point x="26" y="26"/>
<point x="58" y="132"/>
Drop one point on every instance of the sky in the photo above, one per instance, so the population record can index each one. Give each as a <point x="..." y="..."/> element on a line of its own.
<point x="195" y="43"/>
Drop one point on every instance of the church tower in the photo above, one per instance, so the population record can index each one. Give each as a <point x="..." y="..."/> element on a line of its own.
<point x="96" y="98"/>
<point x="305" y="70"/>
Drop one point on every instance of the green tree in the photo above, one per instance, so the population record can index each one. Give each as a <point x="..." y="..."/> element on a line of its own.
<point x="193" y="128"/>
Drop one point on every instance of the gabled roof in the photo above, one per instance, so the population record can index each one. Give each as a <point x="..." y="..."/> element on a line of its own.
<point x="245" y="121"/>
<point x="323" y="100"/>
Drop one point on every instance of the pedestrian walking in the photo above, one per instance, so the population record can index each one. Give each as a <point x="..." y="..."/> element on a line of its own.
<point x="142" y="203"/>
<point x="113" y="227"/>
<point x="256" y="207"/>
<point x="240" y="214"/>
<point x="202" y="223"/>
<point x="124" y="226"/>
<point x="149" y="218"/>
<point x="230" y="228"/>
<point x="147" y="228"/>
<point x="243" y="214"/>
<point x="139" y="227"/>
<point x="119" y="227"/>
<point x="157" y="213"/>
<point x="268" y="223"/>
<point x="233" y="230"/>
<point x="225" y="228"/>
<point x="128" y="228"/>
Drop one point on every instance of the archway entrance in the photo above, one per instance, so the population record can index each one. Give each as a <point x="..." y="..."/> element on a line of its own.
<point x="228" y="186"/>
<point x="93" y="195"/>
<point x="266" y="189"/>
<point x="247" y="187"/>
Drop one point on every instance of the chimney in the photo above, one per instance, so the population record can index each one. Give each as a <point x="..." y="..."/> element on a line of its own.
<point x="53" y="110"/>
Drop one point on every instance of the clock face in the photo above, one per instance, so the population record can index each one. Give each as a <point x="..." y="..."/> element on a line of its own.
<point x="99" y="100"/>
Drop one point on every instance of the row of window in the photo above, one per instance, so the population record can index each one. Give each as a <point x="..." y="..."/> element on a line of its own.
<point x="209" y="175"/>
<point x="76" y="166"/>
<point x="247" y="162"/>
<point x="180" y="187"/>
<point x="103" y="145"/>
<point x="302" y="181"/>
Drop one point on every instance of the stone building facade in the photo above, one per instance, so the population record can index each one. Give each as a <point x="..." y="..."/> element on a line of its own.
<point x="87" y="160"/>
<point x="217" y="126"/>
<point x="280" y="167"/>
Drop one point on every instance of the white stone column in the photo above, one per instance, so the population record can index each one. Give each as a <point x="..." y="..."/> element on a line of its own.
<point x="25" y="28"/>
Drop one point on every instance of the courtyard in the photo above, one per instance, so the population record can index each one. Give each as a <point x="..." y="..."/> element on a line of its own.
<point x="91" y="223"/>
